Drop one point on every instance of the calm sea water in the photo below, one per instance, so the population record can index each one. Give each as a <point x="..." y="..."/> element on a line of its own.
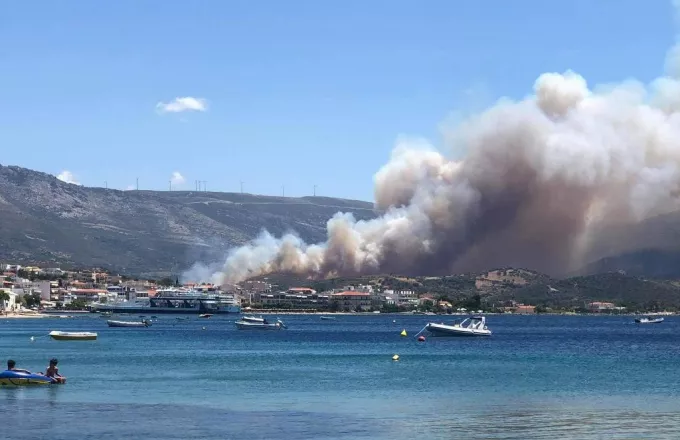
<point x="540" y="377"/>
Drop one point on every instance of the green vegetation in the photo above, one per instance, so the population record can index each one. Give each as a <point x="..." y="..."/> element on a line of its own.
<point x="32" y="300"/>
<point x="78" y="304"/>
<point x="518" y="285"/>
<point x="4" y="296"/>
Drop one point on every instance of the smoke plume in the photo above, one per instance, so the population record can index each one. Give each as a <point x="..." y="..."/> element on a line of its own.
<point x="540" y="177"/>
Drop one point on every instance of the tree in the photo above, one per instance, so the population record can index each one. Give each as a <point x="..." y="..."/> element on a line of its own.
<point x="32" y="300"/>
<point x="358" y="308"/>
<point x="4" y="298"/>
<point x="78" y="304"/>
<point x="167" y="281"/>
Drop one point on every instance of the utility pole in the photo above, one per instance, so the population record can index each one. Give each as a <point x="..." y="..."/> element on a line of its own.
<point x="241" y="186"/>
<point x="314" y="190"/>
<point x="106" y="184"/>
<point x="205" y="185"/>
<point x="171" y="185"/>
<point x="283" y="191"/>
<point x="137" y="183"/>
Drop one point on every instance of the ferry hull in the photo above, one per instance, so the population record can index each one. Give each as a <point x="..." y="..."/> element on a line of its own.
<point x="169" y="310"/>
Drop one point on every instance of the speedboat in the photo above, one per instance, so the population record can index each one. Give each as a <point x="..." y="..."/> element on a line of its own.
<point x="142" y="323"/>
<point x="205" y="315"/>
<point x="328" y="318"/>
<point x="18" y="378"/>
<point x="73" y="336"/>
<point x="472" y="326"/>
<point x="648" y="320"/>
<point x="255" y="323"/>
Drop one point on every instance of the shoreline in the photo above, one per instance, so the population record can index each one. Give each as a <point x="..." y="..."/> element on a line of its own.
<point x="15" y="315"/>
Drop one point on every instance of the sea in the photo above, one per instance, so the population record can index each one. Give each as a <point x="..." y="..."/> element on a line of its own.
<point x="537" y="377"/>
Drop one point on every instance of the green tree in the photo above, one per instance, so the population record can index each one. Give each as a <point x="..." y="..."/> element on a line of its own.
<point x="32" y="300"/>
<point x="4" y="297"/>
<point x="358" y="308"/>
<point x="78" y="304"/>
<point x="167" y="282"/>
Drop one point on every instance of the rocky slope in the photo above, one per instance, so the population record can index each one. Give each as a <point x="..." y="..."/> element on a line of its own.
<point x="50" y="222"/>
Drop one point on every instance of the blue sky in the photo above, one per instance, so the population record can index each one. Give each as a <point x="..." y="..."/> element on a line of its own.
<point x="296" y="93"/>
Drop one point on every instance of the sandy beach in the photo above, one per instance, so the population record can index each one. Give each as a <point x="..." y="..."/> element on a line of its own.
<point x="22" y="315"/>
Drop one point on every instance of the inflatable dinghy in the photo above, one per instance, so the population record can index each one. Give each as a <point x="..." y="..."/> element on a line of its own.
<point x="17" y="378"/>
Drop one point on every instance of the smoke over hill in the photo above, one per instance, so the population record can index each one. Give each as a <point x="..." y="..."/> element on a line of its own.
<point x="541" y="176"/>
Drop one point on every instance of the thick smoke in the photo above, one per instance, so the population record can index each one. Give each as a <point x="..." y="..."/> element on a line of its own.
<point x="540" y="177"/>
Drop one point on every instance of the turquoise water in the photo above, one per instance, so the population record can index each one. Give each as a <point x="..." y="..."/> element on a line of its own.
<point x="538" y="377"/>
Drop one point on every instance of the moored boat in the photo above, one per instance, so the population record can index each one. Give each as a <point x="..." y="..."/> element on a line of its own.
<point x="73" y="336"/>
<point x="328" y="318"/>
<point x="472" y="326"/>
<point x="142" y="323"/>
<point x="648" y="320"/>
<point x="255" y="323"/>
<point x="178" y="301"/>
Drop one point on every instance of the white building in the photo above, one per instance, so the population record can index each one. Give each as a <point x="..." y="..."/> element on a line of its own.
<point x="11" y="304"/>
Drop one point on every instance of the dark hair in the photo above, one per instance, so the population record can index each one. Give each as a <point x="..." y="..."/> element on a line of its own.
<point x="10" y="364"/>
<point x="54" y="361"/>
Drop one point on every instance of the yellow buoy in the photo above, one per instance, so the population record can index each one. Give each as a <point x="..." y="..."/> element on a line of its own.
<point x="395" y="357"/>
<point x="403" y="332"/>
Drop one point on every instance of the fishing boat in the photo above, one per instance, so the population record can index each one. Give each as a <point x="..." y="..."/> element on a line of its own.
<point x="142" y="323"/>
<point x="648" y="320"/>
<point x="205" y="315"/>
<point x="255" y="323"/>
<point x="73" y="336"/>
<point x="472" y="326"/>
<point x="19" y="378"/>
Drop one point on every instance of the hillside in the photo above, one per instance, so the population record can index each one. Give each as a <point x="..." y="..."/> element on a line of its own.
<point x="497" y="287"/>
<point x="46" y="221"/>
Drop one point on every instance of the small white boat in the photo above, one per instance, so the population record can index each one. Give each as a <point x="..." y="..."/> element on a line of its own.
<point x="255" y="323"/>
<point x="648" y="320"/>
<point x="142" y="323"/>
<point x="328" y="318"/>
<point x="73" y="336"/>
<point x="472" y="326"/>
<point x="205" y="315"/>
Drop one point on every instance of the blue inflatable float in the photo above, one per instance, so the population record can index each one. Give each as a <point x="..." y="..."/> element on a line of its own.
<point x="16" y="378"/>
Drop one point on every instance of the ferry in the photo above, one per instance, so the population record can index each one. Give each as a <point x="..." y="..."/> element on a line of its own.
<point x="175" y="301"/>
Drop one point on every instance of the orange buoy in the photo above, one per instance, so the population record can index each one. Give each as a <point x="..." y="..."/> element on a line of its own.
<point x="421" y="338"/>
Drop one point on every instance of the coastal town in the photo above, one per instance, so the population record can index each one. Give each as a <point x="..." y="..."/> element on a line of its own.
<point x="29" y="289"/>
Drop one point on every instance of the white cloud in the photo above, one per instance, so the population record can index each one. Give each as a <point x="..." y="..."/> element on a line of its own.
<point x="129" y="188"/>
<point x="185" y="104"/>
<point x="177" y="178"/>
<point x="68" y="177"/>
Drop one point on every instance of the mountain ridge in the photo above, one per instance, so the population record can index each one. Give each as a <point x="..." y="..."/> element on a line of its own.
<point x="158" y="233"/>
<point x="47" y="221"/>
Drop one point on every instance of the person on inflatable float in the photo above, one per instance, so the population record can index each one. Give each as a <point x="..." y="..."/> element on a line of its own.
<point x="11" y="367"/>
<point x="53" y="372"/>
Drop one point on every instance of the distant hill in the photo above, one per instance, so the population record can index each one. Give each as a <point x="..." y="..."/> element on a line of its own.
<point x="46" y="221"/>
<point x="496" y="287"/>
<point x="159" y="233"/>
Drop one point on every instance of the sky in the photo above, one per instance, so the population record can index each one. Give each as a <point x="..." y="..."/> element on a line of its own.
<point x="283" y="96"/>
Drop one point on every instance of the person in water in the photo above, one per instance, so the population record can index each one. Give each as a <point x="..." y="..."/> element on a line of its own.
<point x="53" y="371"/>
<point x="11" y="366"/>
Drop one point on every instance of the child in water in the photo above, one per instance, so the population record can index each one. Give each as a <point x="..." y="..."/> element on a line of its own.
<point x="53" y="372"/>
